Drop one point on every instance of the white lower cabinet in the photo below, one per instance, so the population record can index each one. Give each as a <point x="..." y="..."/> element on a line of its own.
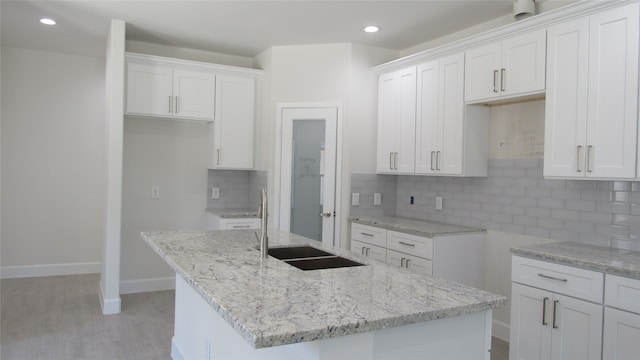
<point x="621" y="318"/>
<point x="215" y="222"/>
<point x="443" y="256"/>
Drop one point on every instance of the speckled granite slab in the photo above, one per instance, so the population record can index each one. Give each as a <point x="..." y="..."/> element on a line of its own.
<point x="414" y="227"/>
<point x="608" y="260"/>
<point x="234" y="213"/>
<point x="271" y="303"/>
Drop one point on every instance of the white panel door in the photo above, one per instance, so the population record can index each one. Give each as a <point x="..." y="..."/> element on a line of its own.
<point x="621" y="335"/>
<point x="194" y="94"/>
<point x="530" y="323"/>
<point x="451" y="116"/>
<point x="566" y="102"/>
<point x="482" y="69"/>
<point x="577" y="329"/>
<point x="388" y="108"/>
<point x="523" y="63"/>
<point x="149" y="89"/>
<point x="427" y="135"/>
<point x="234" y="122"/>
<point x="613" y="93"/>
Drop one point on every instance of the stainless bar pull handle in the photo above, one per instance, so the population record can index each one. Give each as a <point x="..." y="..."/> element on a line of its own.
<point x="176" y="104"/>
<point x="552" y="278"/>
<point x="218" y="161"/>
<point x="367" y="253"/>
<point x="407" y="263"/>
<point x="241" y="226"/>
<point x="555" y="303"/>
<point x="395" y="161"/>
<point x="589" y="148"/>
<point x="402" y="262"/>
<point x="438" y="160"/>
<point x="170" y="104"/>
<point x="432" y="153"/>
<point x="578" y="158"/>
<point x="495" y="81"/>
<point x="544" y="310"/>
<point x="391" y="160"/>
<point x="366" y="234"/>
<point x="406" y="244"/>
<point x="503" y="71"/>
<point x="362" y="250"/>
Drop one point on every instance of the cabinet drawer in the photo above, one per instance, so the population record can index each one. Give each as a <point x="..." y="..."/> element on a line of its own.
<point x="368" y="250"/>
<point x="622" y="293"/>
<point x="413" y="263"/>
<point x="562" y="279"/>
<point x="369" y="234"/>
<point x="410" y="244"/>
<point x="240" y="224"/>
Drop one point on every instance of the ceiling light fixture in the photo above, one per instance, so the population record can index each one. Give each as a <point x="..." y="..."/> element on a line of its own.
<point x="47" y="21"/>
<point x="371" y="29"/>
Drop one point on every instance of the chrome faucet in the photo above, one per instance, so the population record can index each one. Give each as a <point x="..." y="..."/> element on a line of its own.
<point x="262" y="213"/>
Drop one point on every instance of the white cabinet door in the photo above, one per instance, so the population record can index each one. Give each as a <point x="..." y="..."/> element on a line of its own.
<point x="482" y="70"/>
<point x="449" y="160"/>
<point x="530" y="323"/>
<point x="194" y="94"/>
<point x="368" y="250"/>
<point x="397" y="121"/>
<point x="149" y="89"/>
<point x="621" y="335"/>
<point x="613" y="93"/>
<point x="523" y="64"/>
<point x="566" y="103"/>
<point x="410" y="262"/>
<point x="427" y="117"/>
<point x="232" y="129"/>
<point x="576" y="326"/>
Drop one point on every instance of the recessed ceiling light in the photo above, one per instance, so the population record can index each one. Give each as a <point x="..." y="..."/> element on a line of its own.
<point x="47" y="21"/>
<point x="371" y="29"/>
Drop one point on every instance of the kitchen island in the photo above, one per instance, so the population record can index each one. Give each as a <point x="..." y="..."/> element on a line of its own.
<point x="232" y="304"/>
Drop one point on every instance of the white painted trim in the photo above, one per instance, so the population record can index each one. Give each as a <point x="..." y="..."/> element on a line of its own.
<point x="199" y="65"/>
<point x="500" y="330"/>
<point x="109" y="306"/>
<point x="176" y="353"/>
<point x="542" y="21"/>
<point x="147" y="285"/>
<point x="12" y="272"/>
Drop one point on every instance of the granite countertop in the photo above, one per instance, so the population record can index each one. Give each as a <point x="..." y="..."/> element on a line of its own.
<point x="271" y="303"/>
<point x="415" y="227"/>
<point x="613" y="261"/>
<point x="234" y="213"/>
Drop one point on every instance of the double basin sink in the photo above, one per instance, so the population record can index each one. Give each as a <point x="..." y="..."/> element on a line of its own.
<point x="306" y="257"/>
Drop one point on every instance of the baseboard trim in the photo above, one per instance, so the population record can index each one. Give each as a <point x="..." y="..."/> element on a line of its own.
<point x="176" y="354"/>
<point x="12" y="272"/>
<point x="109" y="306"/>
<point x="500" y="330"/>
<point x="147" y="285"/>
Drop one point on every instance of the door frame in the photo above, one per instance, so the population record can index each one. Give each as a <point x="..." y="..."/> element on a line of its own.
<point x="277" y="181"/>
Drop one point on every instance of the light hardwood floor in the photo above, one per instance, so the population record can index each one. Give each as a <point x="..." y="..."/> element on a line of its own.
<point x="59" y="317"/>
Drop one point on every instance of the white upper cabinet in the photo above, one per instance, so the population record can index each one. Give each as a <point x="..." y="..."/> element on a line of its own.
<point x="513" y="67"/>
<point x="167" y="91"/>
<point x="397" y="122"/>
<point x="592" y="96"/>
<point x="231" y="134"/>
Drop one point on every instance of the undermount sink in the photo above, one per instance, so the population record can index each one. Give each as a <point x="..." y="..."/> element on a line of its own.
<point x="309" y="258"/>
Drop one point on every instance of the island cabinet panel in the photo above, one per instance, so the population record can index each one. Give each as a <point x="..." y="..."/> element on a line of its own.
<point x="591" y="111"/>
<point x="513" y="67"/>
<point x="621" y="318"/>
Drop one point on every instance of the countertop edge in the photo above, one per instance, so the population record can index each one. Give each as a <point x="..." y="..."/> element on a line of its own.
<point x="379" y="222"/>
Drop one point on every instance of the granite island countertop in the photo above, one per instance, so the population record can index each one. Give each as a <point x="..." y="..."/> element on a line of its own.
<point x="234" y="213"/>
<point x="415" y="227"/>
<point x="271" y="303"/>
<point x="608" y="260"/>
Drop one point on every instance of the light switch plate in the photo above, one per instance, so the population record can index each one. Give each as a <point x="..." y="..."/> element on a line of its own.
<point x="155" y="192"/>
<point x="377" y="199"/>
<point x="355" y="199"/>
<point x="438" y="202"/>
<point x="215" y="193"/>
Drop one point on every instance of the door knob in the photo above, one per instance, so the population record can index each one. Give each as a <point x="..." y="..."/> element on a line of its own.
<point x="325" y="214"/>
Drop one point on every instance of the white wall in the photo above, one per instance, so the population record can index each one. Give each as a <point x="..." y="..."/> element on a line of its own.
<point x="52" y="162"/>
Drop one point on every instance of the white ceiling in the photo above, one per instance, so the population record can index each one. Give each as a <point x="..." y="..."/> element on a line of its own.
<point x="243" y="28"/>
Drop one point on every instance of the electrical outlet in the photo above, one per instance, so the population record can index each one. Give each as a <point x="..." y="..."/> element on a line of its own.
<point x="215" y="193"/>
<point x="438" y="202"/>
<point x="155" y="192"/>
<point x="355" y="199"/>
<point x="377" y="199"/>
